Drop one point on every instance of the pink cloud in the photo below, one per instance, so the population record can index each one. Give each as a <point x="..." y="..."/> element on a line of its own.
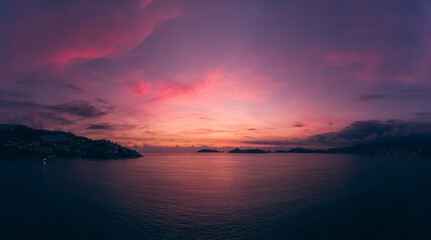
<point x="375" y="65"/>
<point x="42" y="36"/>
<point x="142" y="88"/>
<point x="144" y="3"/>
<point x="368" y="63"/>
<point x="214" y="86"/>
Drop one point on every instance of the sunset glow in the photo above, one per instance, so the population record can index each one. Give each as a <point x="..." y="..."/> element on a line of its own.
<point x="216" y="73"/>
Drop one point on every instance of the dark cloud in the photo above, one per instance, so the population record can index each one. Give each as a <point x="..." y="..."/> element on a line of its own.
<point x="108" y="126"/>
<point x="72" y="87"/>
<point x="361" y="132"/>
<point x="36" y="114"/>
<point x="28" y="119"/>
<point x="56" y="118"/>
<point x="37" y="119"/>
<point x="298" y="125"/>
<point x="41" y="81"/>
<point x="81" y="108"/>
<point x="99" y="126"/>
<point x="374" y="130"/>
<point x="14" y="94"/>
<point x="13" y="104"/>
<point x="419" y="93"/>
<point x="252" y="129"/>
<point x="100" y="100"/>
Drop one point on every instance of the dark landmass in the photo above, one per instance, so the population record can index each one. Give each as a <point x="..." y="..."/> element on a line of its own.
<point x="209" y="151"/>
<point x="419" y="148"/>
<point x="298" y="150"/>
<point x="237" y="150"/>
<point x="18" y="141"/>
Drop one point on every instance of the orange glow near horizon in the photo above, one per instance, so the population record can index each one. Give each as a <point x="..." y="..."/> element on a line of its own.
<point x="225" y="73"/>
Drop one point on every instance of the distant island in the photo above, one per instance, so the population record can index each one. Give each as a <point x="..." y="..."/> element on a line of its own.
<point x="297" y="150"/>
<point x="208" y="151"/>
<point x="237" y="150"/>
<point x="418" y="148"/>
<point x="18" y="141"/>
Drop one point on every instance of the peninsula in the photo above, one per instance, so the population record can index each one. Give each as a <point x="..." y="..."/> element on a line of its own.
<point x="22" y="142"/>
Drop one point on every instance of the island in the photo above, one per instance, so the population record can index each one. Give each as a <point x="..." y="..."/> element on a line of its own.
<point x="237" y="150"/>
<point x="406" y="147"/>
<point x="298" y="150"/>
<point x="22" y="142"/>
<point x="209" y="151"/>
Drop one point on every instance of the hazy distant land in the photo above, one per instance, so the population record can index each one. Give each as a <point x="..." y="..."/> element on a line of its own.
<point x="416" y="147"/>
<point x="408" y="147"/>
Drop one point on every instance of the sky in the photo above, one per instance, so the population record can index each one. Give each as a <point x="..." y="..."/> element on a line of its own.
<point x="218" y="73"/>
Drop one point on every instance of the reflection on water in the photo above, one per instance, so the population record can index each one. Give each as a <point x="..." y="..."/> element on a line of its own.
<point x="217" y="196"/>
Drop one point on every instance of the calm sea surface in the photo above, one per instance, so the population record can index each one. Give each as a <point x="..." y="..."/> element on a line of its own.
<point x="217" y="196"/>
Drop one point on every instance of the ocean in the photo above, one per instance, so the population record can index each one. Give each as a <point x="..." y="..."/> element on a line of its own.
<point x="217" y="196"/>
